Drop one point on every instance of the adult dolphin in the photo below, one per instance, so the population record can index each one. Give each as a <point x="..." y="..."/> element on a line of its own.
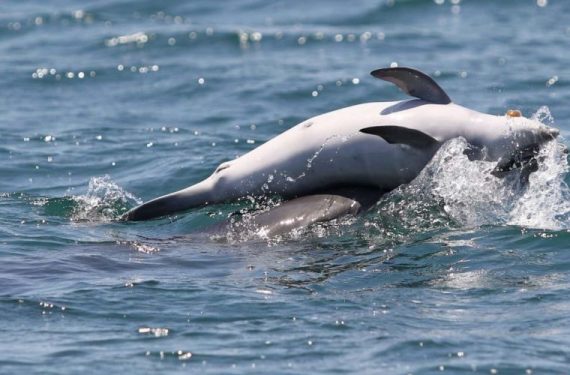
<point x="341" y="162"/>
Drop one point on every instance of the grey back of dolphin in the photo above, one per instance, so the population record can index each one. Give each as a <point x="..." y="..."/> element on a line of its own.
<point x="302" y="212"/>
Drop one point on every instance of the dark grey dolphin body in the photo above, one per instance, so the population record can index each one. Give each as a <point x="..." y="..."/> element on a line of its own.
<point x="302" y="212"/>
<point x="341" y="162"/>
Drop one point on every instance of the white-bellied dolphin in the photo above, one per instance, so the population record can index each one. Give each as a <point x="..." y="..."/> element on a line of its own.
<point x="359" y="152"/>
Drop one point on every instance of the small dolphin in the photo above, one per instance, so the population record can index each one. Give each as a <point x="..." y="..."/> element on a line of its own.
<point x="341" y="162"/>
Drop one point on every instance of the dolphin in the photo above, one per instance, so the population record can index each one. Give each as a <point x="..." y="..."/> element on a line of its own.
<point x="341" y="162"/>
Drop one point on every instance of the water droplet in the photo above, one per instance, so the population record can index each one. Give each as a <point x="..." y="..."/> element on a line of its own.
<point x="256" y="36"/>
<point x="365" y="36"/>
<point x="551" y="81"/>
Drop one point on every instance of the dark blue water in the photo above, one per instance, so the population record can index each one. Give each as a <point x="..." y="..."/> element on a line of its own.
<point x="109" y="103"/>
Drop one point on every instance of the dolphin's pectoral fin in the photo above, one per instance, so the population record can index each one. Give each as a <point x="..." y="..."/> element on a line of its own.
<point x="400" y="135"/>
<point x="414" y="83"/>
<point x="304" y="211"/>
<point x="524" y="160"/>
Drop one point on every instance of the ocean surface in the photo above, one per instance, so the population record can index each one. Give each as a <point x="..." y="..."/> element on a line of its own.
<point x="109" y="103"/>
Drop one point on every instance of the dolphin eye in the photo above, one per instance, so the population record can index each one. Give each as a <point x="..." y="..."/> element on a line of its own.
<point x="513" y="113"/>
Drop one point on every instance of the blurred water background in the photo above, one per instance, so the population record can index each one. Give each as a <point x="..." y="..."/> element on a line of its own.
<point x="109" y="103"/>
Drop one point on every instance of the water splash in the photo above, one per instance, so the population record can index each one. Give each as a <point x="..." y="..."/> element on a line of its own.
<point x="546" y="202"/>
<point x="104" y="201"/>
<point x="543" y="116"/>
<point x="317" y="153"/>
<point x="451" y="190"/>
<point x="470" y="195"/>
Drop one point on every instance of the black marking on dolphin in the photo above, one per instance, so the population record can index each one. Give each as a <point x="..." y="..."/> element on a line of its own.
<point x="523" y="160"/>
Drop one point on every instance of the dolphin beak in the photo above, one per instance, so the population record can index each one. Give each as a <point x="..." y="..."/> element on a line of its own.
<point x="155" y="208"/>
<point x="194" y="196"/>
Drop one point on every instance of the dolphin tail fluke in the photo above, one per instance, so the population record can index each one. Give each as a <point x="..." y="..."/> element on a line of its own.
<point x="194" y="196"/>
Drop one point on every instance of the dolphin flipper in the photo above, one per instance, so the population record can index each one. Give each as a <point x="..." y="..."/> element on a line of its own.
<point x="401" y="135"/>
<point x="306" y="210"/>
<point x="414" y="83"/>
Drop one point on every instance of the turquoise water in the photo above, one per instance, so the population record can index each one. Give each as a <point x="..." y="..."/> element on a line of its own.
<point x="109" y="103"/>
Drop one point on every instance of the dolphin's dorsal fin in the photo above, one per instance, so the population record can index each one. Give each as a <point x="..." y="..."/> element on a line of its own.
<point x="400" y="135"/>
<point x="414" y="83"/>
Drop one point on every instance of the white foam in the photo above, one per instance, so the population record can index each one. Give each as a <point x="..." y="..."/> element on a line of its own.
<point x="546" y="202"/>
<point x="104" y="201"/>
<point x="474" y="197"/>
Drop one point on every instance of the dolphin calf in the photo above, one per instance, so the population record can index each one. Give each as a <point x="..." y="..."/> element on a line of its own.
<point x="341" y="162"/>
